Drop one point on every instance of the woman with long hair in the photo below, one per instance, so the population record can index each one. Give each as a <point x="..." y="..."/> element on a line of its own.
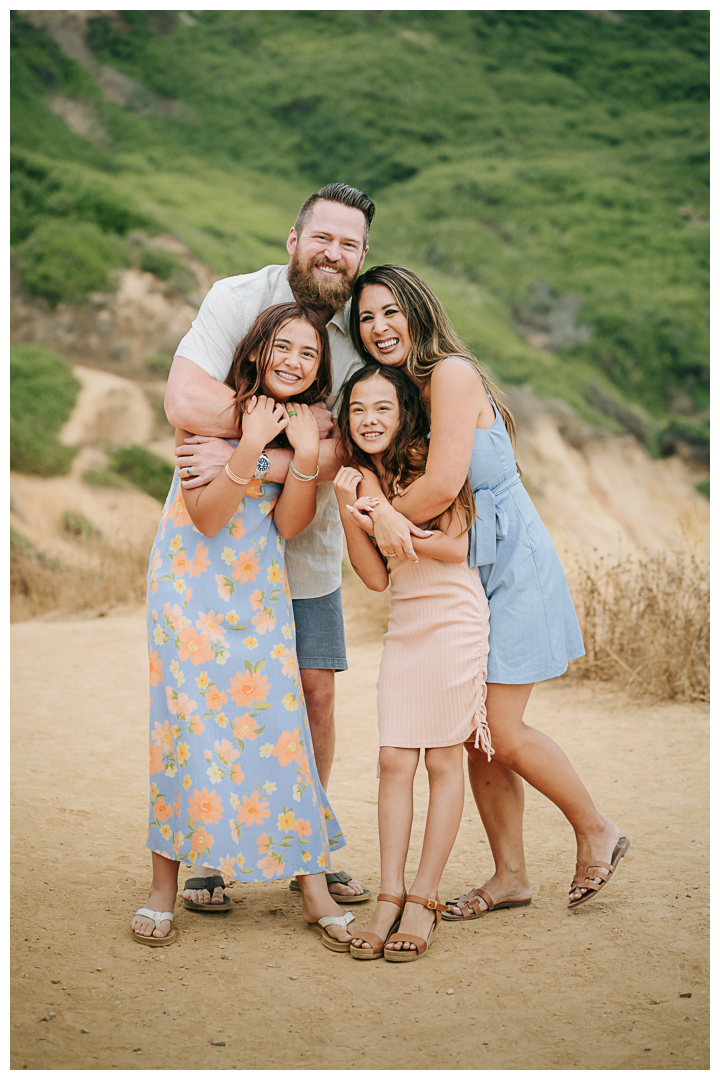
<point x="397" y="320"/>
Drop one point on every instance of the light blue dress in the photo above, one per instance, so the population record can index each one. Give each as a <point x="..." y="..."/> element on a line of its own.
<point x="534" y="630"/>
<point x="233" y="777"/>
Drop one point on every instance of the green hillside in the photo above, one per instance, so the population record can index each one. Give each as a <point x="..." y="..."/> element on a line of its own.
<point x="546" y="171"/>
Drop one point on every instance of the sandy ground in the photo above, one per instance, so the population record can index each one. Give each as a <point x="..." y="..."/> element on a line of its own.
<point x="620" y="983"/>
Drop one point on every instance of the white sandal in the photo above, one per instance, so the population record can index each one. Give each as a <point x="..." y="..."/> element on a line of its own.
<point x="333" y="920"/>
<point x="158" y="916"/>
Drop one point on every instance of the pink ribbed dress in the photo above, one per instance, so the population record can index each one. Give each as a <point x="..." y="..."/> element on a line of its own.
<point x="431" y="685"/>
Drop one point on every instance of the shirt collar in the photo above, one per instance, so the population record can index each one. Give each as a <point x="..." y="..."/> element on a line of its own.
<point x="283" y="294"/>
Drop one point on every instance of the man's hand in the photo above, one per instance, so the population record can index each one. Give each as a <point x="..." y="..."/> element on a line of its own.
<point x="200" y="458"/>
<point x="323" y="419"/>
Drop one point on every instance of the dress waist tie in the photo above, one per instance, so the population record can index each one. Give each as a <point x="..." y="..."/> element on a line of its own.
<point x="491" y="523"/>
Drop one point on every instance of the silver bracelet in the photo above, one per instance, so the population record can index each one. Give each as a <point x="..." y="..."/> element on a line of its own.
<point x="301" y="476"/>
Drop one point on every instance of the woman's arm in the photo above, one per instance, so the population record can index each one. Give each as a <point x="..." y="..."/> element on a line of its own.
<point x="366" y="561"/>
<point x="212" y="506"/>
<point x="449" y="543"/>
<point x="295" y="507"/>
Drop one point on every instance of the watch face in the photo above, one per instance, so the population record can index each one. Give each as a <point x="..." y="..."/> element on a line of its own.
<point x="262" y="466"/>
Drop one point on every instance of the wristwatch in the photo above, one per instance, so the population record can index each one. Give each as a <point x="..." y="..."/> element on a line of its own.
<point x="262" y="467"/>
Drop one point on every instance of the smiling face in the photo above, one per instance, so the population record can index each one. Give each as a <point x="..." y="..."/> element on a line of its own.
<point x="374" y="414"/>
<point x="383" y="327"/>
<point x="327" y="256"/>
<point x="293" y="361"/>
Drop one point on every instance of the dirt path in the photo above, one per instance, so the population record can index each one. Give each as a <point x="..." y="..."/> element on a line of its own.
<point x="548" y="988"/>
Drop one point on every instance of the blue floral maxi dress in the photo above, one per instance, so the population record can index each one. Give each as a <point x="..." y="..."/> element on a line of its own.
<point x="233" y="777"/>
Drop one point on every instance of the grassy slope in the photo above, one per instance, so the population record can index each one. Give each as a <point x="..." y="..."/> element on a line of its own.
<point x="519" y="160"/>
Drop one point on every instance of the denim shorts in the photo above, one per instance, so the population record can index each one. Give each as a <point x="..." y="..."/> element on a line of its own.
<point x="320" y="632"/>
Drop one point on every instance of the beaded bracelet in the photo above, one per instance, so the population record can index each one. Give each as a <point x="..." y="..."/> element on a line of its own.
<point x="301" y="476"/>
<point x="236" y="479"/>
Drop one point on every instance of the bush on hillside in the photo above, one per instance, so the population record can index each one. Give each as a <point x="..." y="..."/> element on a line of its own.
<point x="67" y="260"/>
<point x="43" y="392"/>
<point x="144" y="469"/>
<point x="168" y="267"/>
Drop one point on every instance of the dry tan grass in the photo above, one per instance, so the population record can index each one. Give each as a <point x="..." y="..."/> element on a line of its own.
<point x="646" y="624"/>
<point x="104" y="577"/>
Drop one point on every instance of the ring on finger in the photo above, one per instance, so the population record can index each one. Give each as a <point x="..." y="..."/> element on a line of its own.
<point x="392" y="554"/>
<point x="291" y="412"/>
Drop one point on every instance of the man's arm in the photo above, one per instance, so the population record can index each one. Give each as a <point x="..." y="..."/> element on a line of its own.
<point x="280" y="463"/>
<point x="195" y="401"/>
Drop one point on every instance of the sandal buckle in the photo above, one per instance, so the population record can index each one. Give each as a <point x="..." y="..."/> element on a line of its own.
<point x="432" y="904"/>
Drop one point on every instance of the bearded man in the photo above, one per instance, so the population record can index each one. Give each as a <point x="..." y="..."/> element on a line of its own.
<point x="327" y="247"/>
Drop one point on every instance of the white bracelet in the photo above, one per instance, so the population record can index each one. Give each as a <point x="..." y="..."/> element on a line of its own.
<point x="301" y="476"/>
<point x="235" y="479"/>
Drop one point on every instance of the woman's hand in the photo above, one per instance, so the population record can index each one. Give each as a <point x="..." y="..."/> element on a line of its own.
<point x="200" y="458"/>
<point x="263" y="421"/>
<point x="302" y="430"/>
<point x="360" y="512"/>
<point x="394" y="533"/>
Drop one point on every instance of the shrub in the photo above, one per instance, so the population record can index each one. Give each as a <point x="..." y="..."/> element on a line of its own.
<point x="105" y="478"/>
<point x="159" y="362"/>
<point x="167" y="267"/>
<point x="645" y="623"/>
<point x="78" y="525"/>
<point x="43" y="392"/>
<point x="144" y="469"/>
<point x="67" y="260"/>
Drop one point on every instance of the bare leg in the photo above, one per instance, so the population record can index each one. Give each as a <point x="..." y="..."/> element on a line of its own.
<point x="395" y="813"/>
<point x="541" y="762"/>
<point x="318" y="903"/>
<point x="319" y="690"/>
<point x="445" y="806"/>
<point x="161" y="897"/>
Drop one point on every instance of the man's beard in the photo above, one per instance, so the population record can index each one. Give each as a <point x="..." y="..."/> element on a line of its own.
<point x="309" y="290"/>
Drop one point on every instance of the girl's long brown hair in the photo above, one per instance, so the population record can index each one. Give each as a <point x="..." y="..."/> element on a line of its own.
<point x="406" y="457"/>
<point x="252" y="357"/>
<point x="432" y="335"/>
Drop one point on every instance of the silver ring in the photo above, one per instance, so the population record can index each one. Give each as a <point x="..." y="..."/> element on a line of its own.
<point x="188" y="472"/>
<point x="392" y="554"/>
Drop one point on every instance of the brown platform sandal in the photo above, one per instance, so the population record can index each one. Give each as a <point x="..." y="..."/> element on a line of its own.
<point x="376" y="943"/>
<point x="585" y="873"/>
<point x="405" y="956"/>
<point x="470" y="907"/>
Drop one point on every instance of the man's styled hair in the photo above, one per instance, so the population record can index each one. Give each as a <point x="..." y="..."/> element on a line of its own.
<point x="339" y="193"/>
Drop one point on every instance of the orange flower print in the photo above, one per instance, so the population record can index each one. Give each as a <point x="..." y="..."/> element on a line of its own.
<point x="200" y="561"/>
<point x="214" y="698"/>
<point x="195" y="725"/>
<point x="154" y="567"/>
<point x="254" y="490"/>
<point x="225" y="751"/>
<point x="210" y="624"/>
<point x="237" y="775"/>
<point x="263" y="843"/>
<point x="264" y="620"/>
<point x="288" y="748"/>
<point x="227" y="866"/>
<point x="235" y="528"/>
<point x="256" y="600"/>
<point x="289" y="667"/>
<point x="247" y="566"/>
<point x="253" y="812"/>
<point x="205" y="807"/>
<point x="162" y="736"/>
<point x="302" y="828"/>
<point x="181" y="565"/>
<point x="271" y="865"/>
<point x="246" y="727"/>
<point x="156" y="762"/>
<point x="226" y="586"/>
<point x="162" y="810"/>
<point x="195" y="647"/>
<point x="202" y="841"/>
<point x="286" y="820"/>
<point x="248" y="688"/>
<point x="155" y="668"/>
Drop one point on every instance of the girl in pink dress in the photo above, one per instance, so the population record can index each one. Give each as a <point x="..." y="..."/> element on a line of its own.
<point x="431" y="687"/>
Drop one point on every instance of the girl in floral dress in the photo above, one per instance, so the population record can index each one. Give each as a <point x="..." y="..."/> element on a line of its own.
<point x="233" y="780"/>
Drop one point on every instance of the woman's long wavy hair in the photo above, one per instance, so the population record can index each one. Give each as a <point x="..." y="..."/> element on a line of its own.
<point x="252" y="357"/>
<point x="432" y="335"/>
<point x="406" y="457"/>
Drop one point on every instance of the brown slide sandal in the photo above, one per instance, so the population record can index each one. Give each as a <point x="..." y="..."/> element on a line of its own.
<point x="585" y="873"/>
<point x="470" y="908"/>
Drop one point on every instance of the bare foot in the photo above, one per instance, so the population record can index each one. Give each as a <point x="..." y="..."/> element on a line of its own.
<point x="384" y="916"/>
<point x="203" y="896"/>
<point x="600" y="845"/>
<point x="509" y="887"/>
<point x="416" y="920"/>
<point x="159" y="899"/>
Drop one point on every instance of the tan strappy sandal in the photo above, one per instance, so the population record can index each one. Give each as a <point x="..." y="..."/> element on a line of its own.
<point x="470" y="907"/>
<point x="406" y="956"/>
<point x="586" y="873"/>
<point x="376" y="943"/>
